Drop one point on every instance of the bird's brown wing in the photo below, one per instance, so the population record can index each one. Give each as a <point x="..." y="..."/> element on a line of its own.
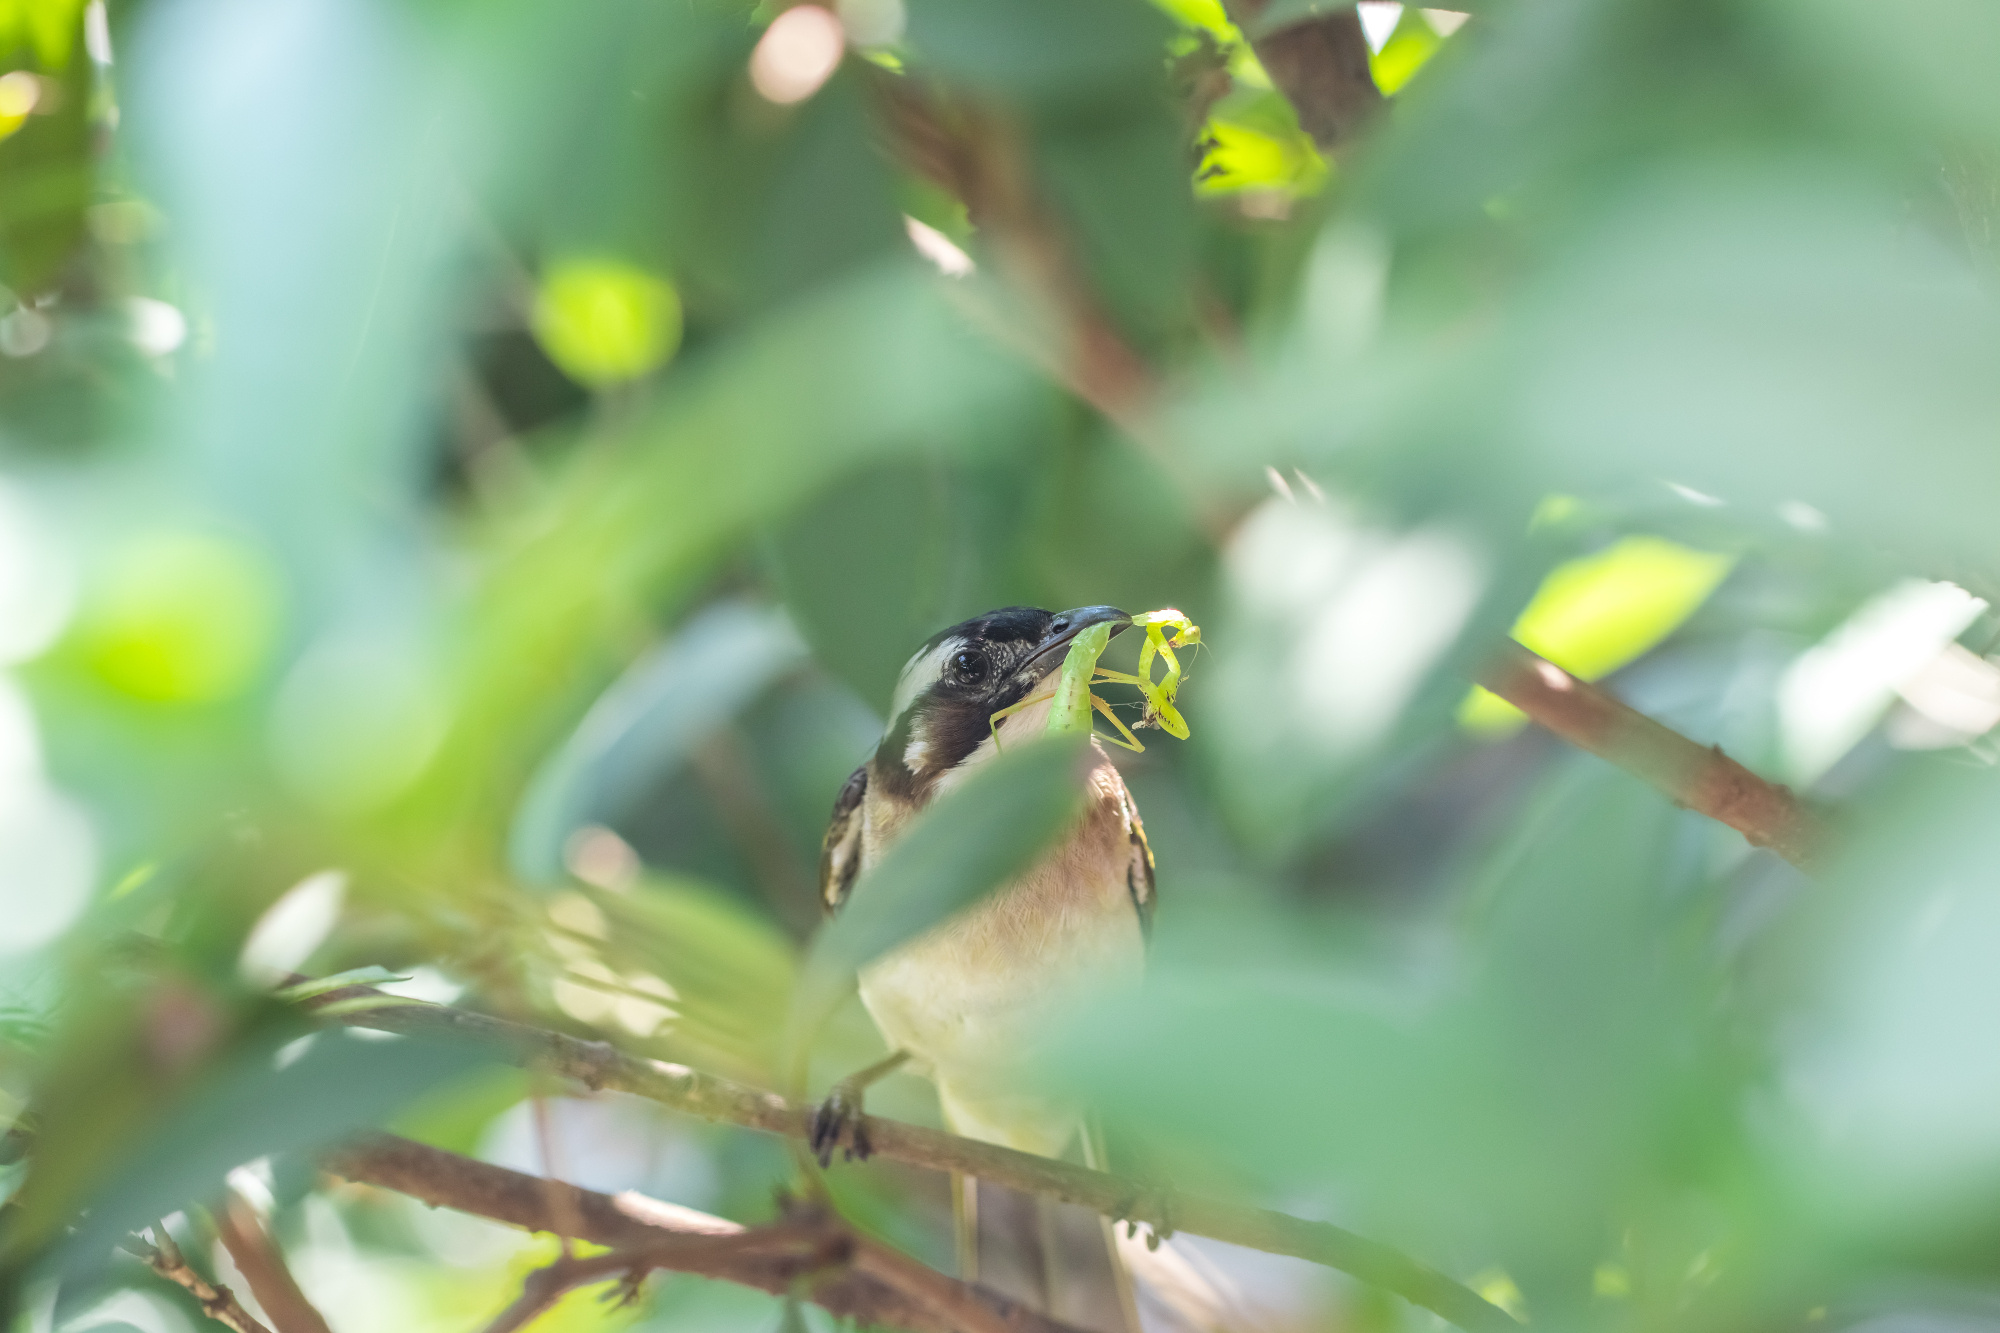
<point x="1139" y="868"/>
<point x="840" y="849"/>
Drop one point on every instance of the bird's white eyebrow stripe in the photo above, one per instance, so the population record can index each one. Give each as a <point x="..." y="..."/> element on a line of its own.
<point x="919" y="673"/>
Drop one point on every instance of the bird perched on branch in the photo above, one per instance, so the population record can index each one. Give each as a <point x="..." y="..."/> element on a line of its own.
<point x="962" y="1002"/>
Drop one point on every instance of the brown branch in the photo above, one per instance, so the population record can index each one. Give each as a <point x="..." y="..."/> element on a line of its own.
<point x="600" y="1066"/>
<point x="1695" y="777"/>
<point x="217" y="1302"/>
<point x="542" y="1288"/>
<point x="262" y="1264"/>
<point x="809" y="1250"/>
<point x="977" y="156"/>
<point x="1321" y="66"/>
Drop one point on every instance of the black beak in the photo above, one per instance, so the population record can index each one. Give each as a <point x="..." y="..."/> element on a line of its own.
<point x="1064" y="629"/>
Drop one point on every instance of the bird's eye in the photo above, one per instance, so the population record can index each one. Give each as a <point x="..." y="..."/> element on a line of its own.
<point x="968" y="666"/>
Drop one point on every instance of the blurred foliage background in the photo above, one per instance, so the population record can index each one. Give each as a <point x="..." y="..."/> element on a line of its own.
<point x="469" y="474"/>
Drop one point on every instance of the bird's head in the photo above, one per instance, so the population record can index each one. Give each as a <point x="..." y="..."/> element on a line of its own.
<point x="940" y="718"/>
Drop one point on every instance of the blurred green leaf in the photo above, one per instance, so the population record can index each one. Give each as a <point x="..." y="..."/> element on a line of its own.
<point x="1284" y="13"/>
<point x="1253" y="141"/>
<point x="968" y="840"/>
<point x="1043" y="50"/>
<point x="646" y="725"/>
<point x="875" y="366"/>
<point x="264" y="1099"/>
<point x="1412" y="44"/>
<point x="371" y="975"/>
<point x="728" y="970"/>
<point x="605" y="321"/>
<point x="181" y="618"/>
<point x="1549" y="1066"/>
<point x="47" y="174"/>
<point x="48" y="28"/>
<point x="1594" y="614"/>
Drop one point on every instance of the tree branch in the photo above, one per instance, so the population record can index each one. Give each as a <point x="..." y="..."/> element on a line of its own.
<point x="542" y="1288"/>
<point x="976" y="156"/>
<point x="809" y="1250"/>
<point x="1694" y="777"/>
<point x="600" y="1066"/>
<point x="217" y="1302"/>
<point x="262" y="1264"/>
<point x="1321" y="66"/>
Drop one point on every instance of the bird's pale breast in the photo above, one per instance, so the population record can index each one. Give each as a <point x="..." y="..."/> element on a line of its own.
<point x="969" y="999"/>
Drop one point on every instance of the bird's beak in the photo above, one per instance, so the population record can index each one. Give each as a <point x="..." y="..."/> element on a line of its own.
<point x="1063" y="631"/>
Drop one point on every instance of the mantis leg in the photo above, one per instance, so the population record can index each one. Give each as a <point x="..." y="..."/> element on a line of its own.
<point x="1171" y="682"/>
<point x="1130" y="742"/>
<point x="993" y="722"/>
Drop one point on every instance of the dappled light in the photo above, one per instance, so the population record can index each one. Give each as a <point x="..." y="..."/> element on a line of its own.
<point x="797" y="54"/>
<point x="1048" y="666"/>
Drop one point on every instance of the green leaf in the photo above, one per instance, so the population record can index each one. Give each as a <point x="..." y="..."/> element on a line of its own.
<point x="1284" y="13"/>
<point x="1594" y="615"/>
<point x="728" y="968"/>
<point x="874" y="366"/>
<point x="1051" y="50"/>
<point x="645" y="726"/>
<point x="969" y="841"/>
<point x="1536" y="1063"/>
<point x="1408" y="49"/>
<point x="264" y="1099"/>
<point x="605" y="321"/>
<point x="372" y="975"/>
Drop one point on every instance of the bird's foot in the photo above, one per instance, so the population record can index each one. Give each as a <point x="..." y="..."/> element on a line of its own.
<point x="840" y="1122"/>
<point x="1152" y="1208"/>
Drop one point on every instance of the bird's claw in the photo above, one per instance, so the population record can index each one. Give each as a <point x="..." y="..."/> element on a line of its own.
<point x="839" y="1117"/>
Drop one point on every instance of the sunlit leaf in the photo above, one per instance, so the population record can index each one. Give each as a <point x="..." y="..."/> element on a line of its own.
<point x="728" y="971"/>
<point x="181" y="618"/>
<point x="1593" y="615"/>
<point x="372" y="975"/>
<point x="1255" y="143"/>
<point x="604" y="321"/>
<point x="1412" y="44"/>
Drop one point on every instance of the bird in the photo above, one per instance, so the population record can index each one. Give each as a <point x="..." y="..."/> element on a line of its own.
<point x="959" y="1004"/>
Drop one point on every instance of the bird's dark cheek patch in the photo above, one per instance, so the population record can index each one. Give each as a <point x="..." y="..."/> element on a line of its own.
<point x="890" y="768"/>
<point x="952" y="731"/>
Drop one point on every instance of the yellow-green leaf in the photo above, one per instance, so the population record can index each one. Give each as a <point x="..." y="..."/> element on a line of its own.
<point x="1409" y="47"/>
<point x="182" y="618"/>
<point x="604" y="321"/>
<point x="1595" y="614"/>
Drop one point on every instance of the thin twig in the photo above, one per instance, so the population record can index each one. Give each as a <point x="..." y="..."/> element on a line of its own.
<point x="217" y="1302"/>
<point x="257" y="1257"/>
<point x="545" y="1143"/>
<point x="978" y="156"/>
<point x="809" y="1250"/>
<point x="1697" y="777"/>
<point x="541" y="1289"/>
<point x="601" y="1066"/>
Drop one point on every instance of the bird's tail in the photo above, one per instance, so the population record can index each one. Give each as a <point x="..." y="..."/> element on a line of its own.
<point x="1050" y="1256"/>
<point x="1076" y="1265"/>
<point x="1184" y="1291"/>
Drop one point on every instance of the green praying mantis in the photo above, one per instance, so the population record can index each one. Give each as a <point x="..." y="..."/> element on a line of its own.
<point x="1074" y="701"/>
